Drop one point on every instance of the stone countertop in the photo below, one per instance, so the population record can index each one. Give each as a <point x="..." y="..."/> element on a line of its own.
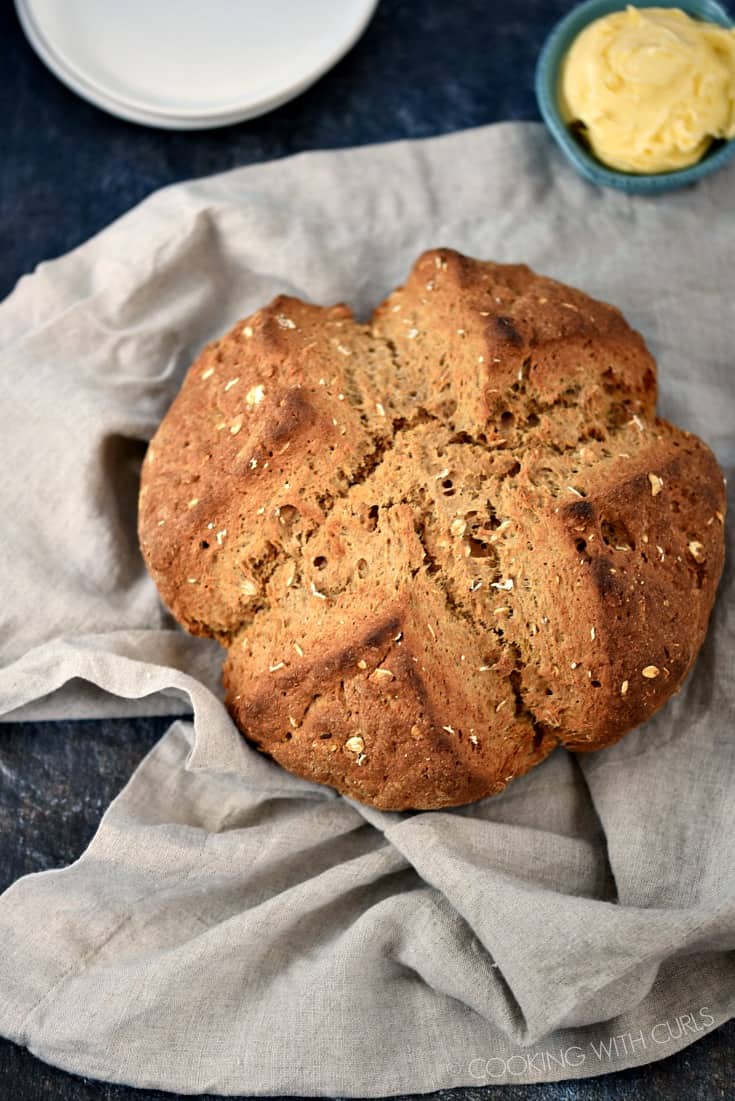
<point x="423" y="67"/>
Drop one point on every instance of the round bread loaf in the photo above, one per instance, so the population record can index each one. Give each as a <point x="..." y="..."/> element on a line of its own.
<point x="438" y="545"/>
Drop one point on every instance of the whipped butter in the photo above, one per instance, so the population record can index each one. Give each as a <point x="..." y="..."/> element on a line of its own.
<point x="651" y="88"/>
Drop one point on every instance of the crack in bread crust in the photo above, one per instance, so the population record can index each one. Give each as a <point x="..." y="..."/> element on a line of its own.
<point x="440" y="544"/>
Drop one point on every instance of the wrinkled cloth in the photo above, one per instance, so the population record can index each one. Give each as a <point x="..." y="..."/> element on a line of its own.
<point x="235" y="929"/>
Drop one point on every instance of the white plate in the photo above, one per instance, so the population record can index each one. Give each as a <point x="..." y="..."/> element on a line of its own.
<point x="190" y="64"/>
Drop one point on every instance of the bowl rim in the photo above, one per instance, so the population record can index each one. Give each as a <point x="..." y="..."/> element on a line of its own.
<point x="547" y="68"/>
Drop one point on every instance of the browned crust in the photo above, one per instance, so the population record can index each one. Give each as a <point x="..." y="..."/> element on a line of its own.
<point x="438" y="545"/>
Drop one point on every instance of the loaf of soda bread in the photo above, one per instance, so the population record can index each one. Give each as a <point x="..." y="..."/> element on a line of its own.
<point x="438" y="545"/>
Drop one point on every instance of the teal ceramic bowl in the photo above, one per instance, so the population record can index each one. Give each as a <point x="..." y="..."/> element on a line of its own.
<point x="547" y="82"/>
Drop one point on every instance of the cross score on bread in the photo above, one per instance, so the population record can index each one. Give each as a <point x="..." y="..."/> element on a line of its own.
<point x="438" y="545"/>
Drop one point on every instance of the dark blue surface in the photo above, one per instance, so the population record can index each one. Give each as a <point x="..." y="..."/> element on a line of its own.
<point x="421" y="68"/>
<point x="66" y="170"/>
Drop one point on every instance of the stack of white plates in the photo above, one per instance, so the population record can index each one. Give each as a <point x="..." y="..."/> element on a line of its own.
<point x="191" y="64"/>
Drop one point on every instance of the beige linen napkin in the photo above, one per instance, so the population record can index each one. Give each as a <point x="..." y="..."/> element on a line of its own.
<point x="232" y="928"/>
